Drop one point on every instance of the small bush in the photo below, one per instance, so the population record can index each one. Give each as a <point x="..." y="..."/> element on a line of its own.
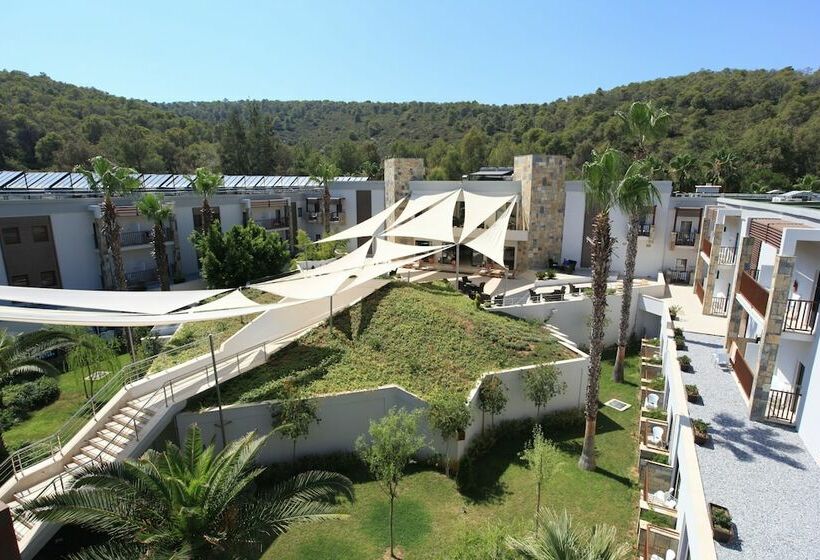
<point x="654" y="414"/>
<point x="10" y="417"/>
<point x="551" y="274"/>
<point x="722" y="519"/>
<point x="33" y="394"/>
<point x="680" y="342"/>
<point x="657" y="383"/>
<point x="692" y="391"/>
<point x="700" y="425"/>
<point x="652" y="341"/>
<point x="655" y="361"/>
<point x="685" y="362"/>
<point x="678" y="332"/>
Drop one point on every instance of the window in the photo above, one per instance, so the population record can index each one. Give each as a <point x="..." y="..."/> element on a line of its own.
<point x="48" y="279"/>
<point x="318" y="237"/>
<point x="11" y="235"/>
<point x="299" y="212"/>
<point x="680" y="264"/>
<point x="39" y="234"/>
<point x="19" y="280"/>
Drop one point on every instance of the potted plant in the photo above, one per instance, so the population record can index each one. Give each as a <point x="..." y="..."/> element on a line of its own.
<point x="550" y="274"/>
<point x="680" y="342"/>
<point x="722" y="528"/>
<point x="674" y="310"/>
<point x="678" y="331"/>
<point x="692" y="393"/>
<point x="685" y="362"/>
<point x="700" y="429"/>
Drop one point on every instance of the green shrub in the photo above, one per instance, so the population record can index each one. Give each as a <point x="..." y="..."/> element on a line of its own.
<point x="685" y="362"/>
<point x="652" y="341"/>
<point x="678" y="332"/>
<point x="541" y="275"/>
<point x="10" y="417"/>
<point x="680" y="342"/>
<point x="654" y="414"/>
<point x="655" y="360"/>
<point x="551" y="274"/>
<point x="692" y="391"/>
<point x="482" y="543"/>
<point x="657" y="383"/>
<point x="700" y="425"/>
<point x="33" y="394"/>
<point x="722" y="519"/>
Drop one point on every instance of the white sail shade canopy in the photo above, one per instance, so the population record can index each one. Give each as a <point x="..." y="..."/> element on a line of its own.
<point x="417" y="205"/>
<point x="367" y="228"/>
<point x="435" y="223"/>
<point x="313" y="287"/>
<point x="388" y="251"/>
<point x="233" y="300"/>
<point x="478" y="208"/>
<point x="129" y="302"/>
<point x="376" y="270"/>
<point x="491" y="242"/>
<point x="352" y="260"/>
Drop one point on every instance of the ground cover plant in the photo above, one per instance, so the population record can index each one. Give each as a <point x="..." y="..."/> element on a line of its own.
<point x="422" y="337"/>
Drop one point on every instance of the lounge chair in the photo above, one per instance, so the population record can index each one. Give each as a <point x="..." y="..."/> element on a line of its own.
<point x="656" y="437"/>
<point x="651" y="401"/>
<point x="670" y="555"/>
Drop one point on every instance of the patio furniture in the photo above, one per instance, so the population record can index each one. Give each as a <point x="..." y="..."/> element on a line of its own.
<point x="721" y="359"/>
<point x="651" y="401"/>
<point x="498" y="300"/>
<point x="656" y="437"/>
<point x="534" y="296"/>
<point x="670" y="555"/>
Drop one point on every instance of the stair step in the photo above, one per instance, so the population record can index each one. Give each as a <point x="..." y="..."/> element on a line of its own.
<point x="109" y="446"/>
<point x="97" y="455"/>
<point x="120" y="440"/>
<point x="126" y="420"/>
<point x="132" y="411"/>
<point x="122" y="429"/>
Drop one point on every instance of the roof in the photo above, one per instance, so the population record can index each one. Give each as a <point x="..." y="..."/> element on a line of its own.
<point x="492" y="173"/>
<point x="63" y="181"/>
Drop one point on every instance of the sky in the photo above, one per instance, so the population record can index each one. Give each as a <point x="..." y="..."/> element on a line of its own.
<point x="445" y="50"/>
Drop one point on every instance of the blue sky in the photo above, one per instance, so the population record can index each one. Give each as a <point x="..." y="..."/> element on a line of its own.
<point x="494" y="52"/>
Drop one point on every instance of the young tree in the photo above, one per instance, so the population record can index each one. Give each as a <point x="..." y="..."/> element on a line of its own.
<point x="492" y="398"/>
<point x="645" y="123"/>
<point x="241" y="254"/>
<point x="307" y="250"/>
<point x="563" y="539"/>
<point x="542" y="384"/>
<point x="324" y="173"/>
<point x="189" y="502"/>
<point x="89" y="352"/>
<point x="111" y="180"/>
<point x="601" y="178"/>
<point x="541" y="456"/>
<point x="392" y="442"/>
<point x="296" y="414"/>
<point x="448" y="415"/>
<point x="153" y="208"/>
<point x="721" y="168"/>
<point x="206" y="184"/>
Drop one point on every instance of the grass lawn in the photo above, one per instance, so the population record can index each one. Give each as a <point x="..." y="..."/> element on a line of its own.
<point x="47" y="420"/>
<point x="419" y="336"/>
<point x="432" y="516"/>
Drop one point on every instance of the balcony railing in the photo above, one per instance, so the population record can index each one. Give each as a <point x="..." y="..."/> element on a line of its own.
<point x="272" y="223"/>
<point x="699" y="289"/>
<point x="755" y="294"/>
<point x="139" y="279"/>
<point x="131" y="238"/>
<point x="686" y="238"/>
<point x="782" y="405"/>
<point x="679" y="276"/>
<point x="727" y="255"/>
<point x="644" y="230"/>
<point x="801" y="315"/>
<point x="719" y="306"/>
<point x="743" y="372"/>
<point x="705" y="245"/>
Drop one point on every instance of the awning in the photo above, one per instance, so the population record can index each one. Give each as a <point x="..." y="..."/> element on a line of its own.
<point x="233" y="300"/>
<point x="417" y="205"/>
<point x="435" y="223"/>
<point x="314" y="287"/>
<point x="376" y="270"/>
<point x="491" y="242"/>
<point x="478" y="208"/>
<point x="367" y="228"/>
<point x="352" y="260"/>
<point x="390" y="251"/>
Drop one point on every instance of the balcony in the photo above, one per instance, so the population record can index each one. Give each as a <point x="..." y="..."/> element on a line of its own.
<point x="699" y="289"/>
<point x="727" y="255"/>
<point x="755" y="294"/>
<point x="679" y="276"/>
<point x="719" y="306"/>
<point x="654" y="436"/>
<point x="685" y="238"/>
<point x="644" y="230"/>
<point x="657" y="489"/>
<point x="742" y="370"/>
<point x="656" y="542"/>
<point x="314" y="217"/>
<point x="337" y="218"/>
<point x="800" y="316"/>
<point x="706" y="245"/>
<point x="273" y="223"/>
<point x="132" y="238"/>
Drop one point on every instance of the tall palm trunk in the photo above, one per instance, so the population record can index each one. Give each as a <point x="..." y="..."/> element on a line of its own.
<point x="600" y="256"/>
<point x="3" y="451"/>
<point x="626" y="302"/>
<point x="207" y="215"/>
<point x="111" y="230"/>
<point x="326" y="209"/>
<point x="161" y="256"/>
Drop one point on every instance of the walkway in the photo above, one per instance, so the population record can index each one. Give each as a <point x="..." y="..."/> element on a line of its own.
<point x="691" y="317"/>
<point x="762" y="473"/>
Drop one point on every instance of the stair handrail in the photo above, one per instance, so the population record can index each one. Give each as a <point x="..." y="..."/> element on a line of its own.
<point x="162" y="388"/>
<point x="49" y="446"/>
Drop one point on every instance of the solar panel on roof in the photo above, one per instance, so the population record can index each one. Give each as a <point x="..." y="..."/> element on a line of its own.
<point x="152" y="181"/>
<point x="285" y="181"/>
<point x="7" y="177"/>
<point x="230" y="181"/>
<point x="268" y="181"/>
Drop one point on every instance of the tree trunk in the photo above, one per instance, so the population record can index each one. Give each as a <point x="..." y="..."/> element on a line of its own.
<point x="111" y="230"/>
<point x="3" y="451"/>
<point x="392" y="553"/>
<point x="161" y="256"/>
<point x="326" y="209"/>
<point x="600" y="256"/>
<point x="293" y="460"/>
<point x="626" y="302"/>
<point x="207" y="216"/>
<point x="447" y="457"/>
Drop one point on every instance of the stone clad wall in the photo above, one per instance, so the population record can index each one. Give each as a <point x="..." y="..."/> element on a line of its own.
<point x="398" y="172"/>
<point x="543" y="198"/>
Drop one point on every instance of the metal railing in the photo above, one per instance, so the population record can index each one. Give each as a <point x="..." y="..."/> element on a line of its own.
<point x="679" y="276"/>
<point x="719" y="306"/>
<point x="782" y="405"/>
<point x="644" y="230"/>
<point x="272" y="223"/>
<point x="755" y="294"/>
<point x="168" y="395"/>
<point x="801" y="316"/>
<point x="686" y="238"/>
<point x="51" y="445"/>
<point x="727" y="255"/>
<point x="130" y="238"/>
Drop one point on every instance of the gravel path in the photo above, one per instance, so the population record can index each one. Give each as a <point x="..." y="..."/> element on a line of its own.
<point x="762" y="473"/>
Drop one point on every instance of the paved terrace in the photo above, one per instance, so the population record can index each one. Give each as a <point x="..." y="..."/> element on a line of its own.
<point x="762" y="473"/>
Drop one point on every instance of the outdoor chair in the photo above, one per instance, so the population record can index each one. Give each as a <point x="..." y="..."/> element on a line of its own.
<point x="670" y="555"/>
<point x="721" y="359"/>
<point x="498" y="300"/>
<point x="651" y="402"/>
<point x="656" y="437"/>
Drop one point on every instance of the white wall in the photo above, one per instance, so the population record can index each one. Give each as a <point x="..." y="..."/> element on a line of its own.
<point x="808" y="416"/>
<point x="74" y="243"/>
<point x="574" y="211"/>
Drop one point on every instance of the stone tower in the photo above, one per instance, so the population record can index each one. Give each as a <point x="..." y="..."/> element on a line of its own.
<point x="398" y="172"/>
<point x="543" y="198"/>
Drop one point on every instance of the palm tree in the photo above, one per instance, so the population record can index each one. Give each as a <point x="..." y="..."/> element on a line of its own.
<point x="189" y="503"/>
<point x="206" y="183"/>
<point x="324" y="174"/>
<point x="807" y="182"/>
<point x="682" y="167"/>
<point x="89" y="352"/>
<point x="645" y="123"/>
<point x="601" y="178"/>
<point x="152" y="207"/>
<point x="635" y="197"/>
<point x="561" y="539"/>
<point x="111" y="180"/>
<point x="22" y="355"/>
<point x="721" y="166"/>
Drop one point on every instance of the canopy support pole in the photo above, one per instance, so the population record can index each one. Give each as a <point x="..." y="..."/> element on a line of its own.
<point x="218" y="393"/>
<point x="457" y="263"/>
<point x="330" y="316"/>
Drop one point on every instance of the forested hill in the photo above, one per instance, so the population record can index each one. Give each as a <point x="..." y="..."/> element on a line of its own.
<point x="749" y="129"/>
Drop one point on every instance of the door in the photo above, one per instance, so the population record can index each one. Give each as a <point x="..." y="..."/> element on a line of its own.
<point x="685" y="226"/>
